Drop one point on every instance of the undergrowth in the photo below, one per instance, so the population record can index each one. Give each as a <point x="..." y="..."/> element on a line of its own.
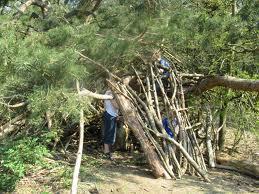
<point x="17" y="158"/>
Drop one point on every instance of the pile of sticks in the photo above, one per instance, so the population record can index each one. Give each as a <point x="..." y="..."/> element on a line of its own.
<point x="144" y="111"/>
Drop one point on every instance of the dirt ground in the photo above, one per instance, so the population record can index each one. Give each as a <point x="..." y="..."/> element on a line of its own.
<point x="118" y="177"/>
<point x="130" y="174"/>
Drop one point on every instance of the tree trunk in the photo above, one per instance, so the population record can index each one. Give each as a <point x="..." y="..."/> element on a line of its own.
<point x="130" y="117"/>
<point x="211" y="154"/>
<point x="234" y="7"/>
<point x="222" y="125"/>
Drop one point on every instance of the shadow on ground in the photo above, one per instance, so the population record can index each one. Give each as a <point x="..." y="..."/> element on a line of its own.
<point x="128" y="175"/>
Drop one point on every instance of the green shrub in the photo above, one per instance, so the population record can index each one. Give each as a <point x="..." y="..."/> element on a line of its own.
<point x="16" y="158"/>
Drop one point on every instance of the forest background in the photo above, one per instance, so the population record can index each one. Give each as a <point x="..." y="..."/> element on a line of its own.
<point x="39" y="63"/>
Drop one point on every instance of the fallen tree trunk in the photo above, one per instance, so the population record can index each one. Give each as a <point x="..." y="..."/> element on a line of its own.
<point x="12" y="125"/>
<point x="130" y="118"/>
<point x="209" y="82"/>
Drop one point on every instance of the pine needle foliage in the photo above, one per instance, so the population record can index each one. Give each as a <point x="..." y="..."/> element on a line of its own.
<point x="39" y="60"/>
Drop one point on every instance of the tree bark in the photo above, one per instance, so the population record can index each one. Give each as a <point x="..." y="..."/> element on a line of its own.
<point x="122" y="135"/>
<point x="234" y="7"/>
<point x="79" y="154"/>
<point x="11" y="125"/>
<point x="130" y="118"/>
<point x="211" y="154"/>
<point x="186" y="155"/>
<point x="86" y="92"/>
<point x="222" y="125"/>
<point x="209" y="82"/>
<point x="80" y="148"/>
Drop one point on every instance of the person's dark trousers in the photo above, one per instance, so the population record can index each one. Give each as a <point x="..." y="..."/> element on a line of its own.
<point x="109" y="128"/>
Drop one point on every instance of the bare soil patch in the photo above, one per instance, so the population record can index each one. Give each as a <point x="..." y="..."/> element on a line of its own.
<point x="129" y="173"/>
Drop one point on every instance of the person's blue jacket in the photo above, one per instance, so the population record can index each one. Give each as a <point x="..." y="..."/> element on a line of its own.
<point x="164" y="63"/>
<point x="167" y="128"/>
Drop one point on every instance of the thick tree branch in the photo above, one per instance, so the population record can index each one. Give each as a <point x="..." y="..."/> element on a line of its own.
<point x="210" y="82"/>
<point x="86" y="92"/>
<point x="14" y="105"/>
<point x="12" y="125"/>
<point x="44" y="5"/>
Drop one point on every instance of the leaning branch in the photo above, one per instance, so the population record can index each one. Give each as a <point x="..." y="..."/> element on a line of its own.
<point x="86" y="92"/>
<point x="79" y="154"/>
<point x="185" y="153"/>
<point x="99" y="65"/>
<point x="80" y="149"/>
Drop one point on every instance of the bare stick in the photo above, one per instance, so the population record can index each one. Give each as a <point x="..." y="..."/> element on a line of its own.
<point x="14" y="105"/>
<point x="86" y="92"/>
<point x="79" y="152"/>
<point x="185" y="153"/>
<point x="141" y="83"/>
<point x="99" y="65"/>
<point x="155" y="93"/>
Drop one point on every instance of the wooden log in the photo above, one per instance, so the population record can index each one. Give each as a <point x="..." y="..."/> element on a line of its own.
<point x="12" y="125"/>
<point x="20" y="104"/>
<point x="158" y="148"/>
<point x="49" y="119"/>
<point x="155" y="93"/>
<point x="130" y="117"/>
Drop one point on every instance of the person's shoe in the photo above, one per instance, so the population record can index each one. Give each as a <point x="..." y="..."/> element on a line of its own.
<point x="108" y="156"/>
